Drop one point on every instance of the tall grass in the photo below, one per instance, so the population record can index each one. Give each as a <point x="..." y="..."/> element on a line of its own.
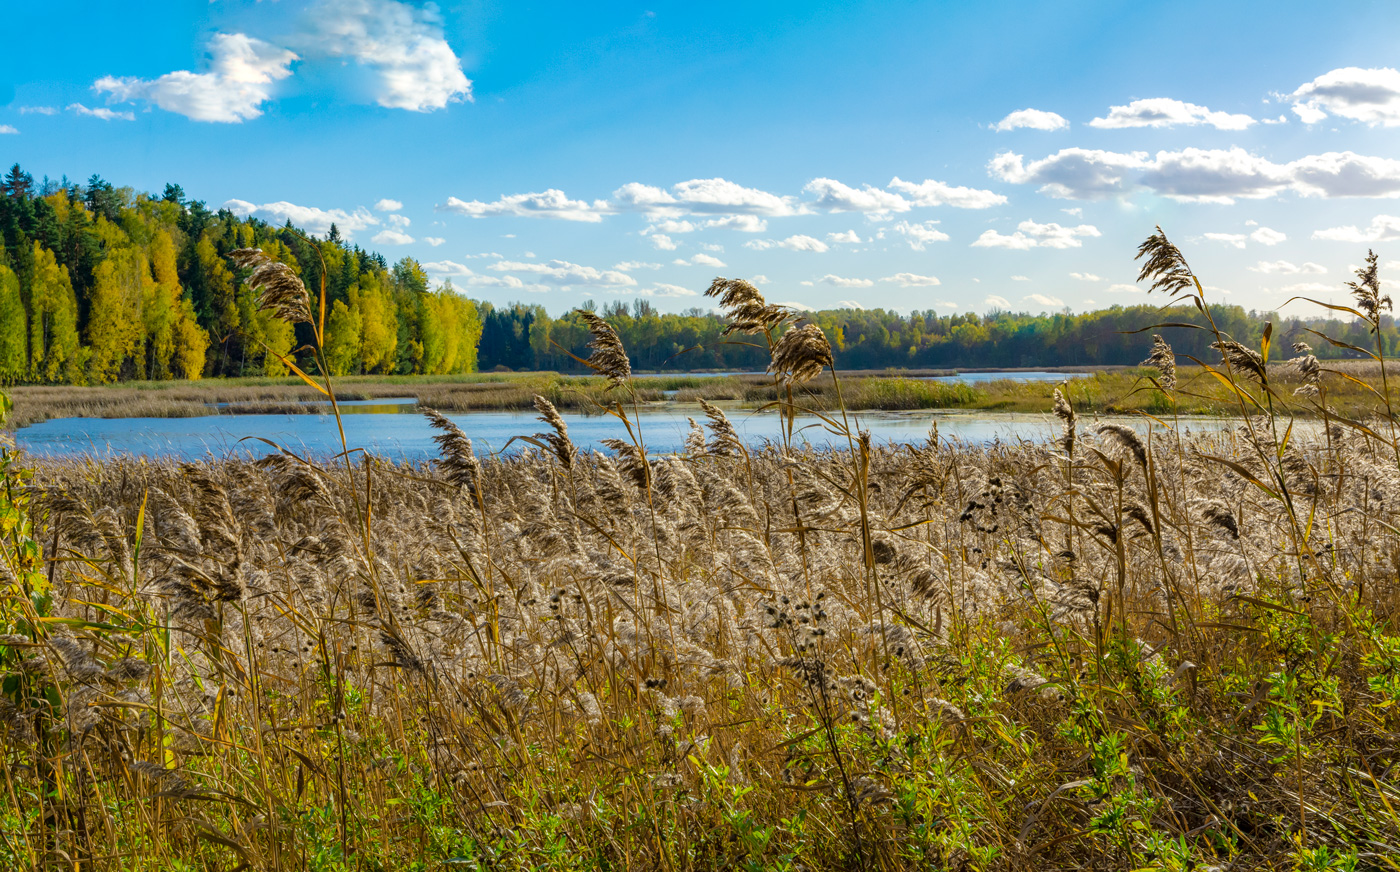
<point x="1110" y="651"/>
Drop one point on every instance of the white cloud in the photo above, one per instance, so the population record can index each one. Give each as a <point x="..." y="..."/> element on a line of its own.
<point x="671" y="225"/>
<point x="1029" y="235"/>
<point x="629" y="265"/>
<point x="801" y="307"/>
<point x="840" y="282"/>
<point x="1234" y="239"/>
<point x="1124" y="289"/>
<point x="920" y="235"/>
<point x="931" y="192"/>
<point x="664" y="290"/>
<point x="551" y="203"/>
<point x="1020" y="278"/>
<point x="101" y="112"/>
<point x="662" y="242"/>
<point x="1382" y="228"/>
<point x="759" y="280"/>
<point x="1085" y="277"/>
<point x="701" y="260"/>
<point x="712" y="246"/>
<point x="1035" y="119"/>
<point x="1166" y="112"/>
<point x="38" y="110"/>
<point x="309" y="218"/>
<point x="1368" y="95"/>
<point x="1071" y="173"/>
<point x="387" y="205"/>
<point x="849" y="236"/>
<point x="564" y="273"/>
<point x="461" y="274"/>
<point x="447" y="268"/>
<point x="1089" y="302"/>
<point x="1268" y="236"/>
<point x="997" y="302"/>
<point x="434" y="241"/>
<point x="912" y="280"/>
<point x="241" y="74"/>
<point x="402" y="45"/>
<point x="704" y="196"/>
<point x="391" y="236"/>
<point x="799" y="242"/>
<point x="1200" y="175"/>
<point x="849" y="304"/>
<point x="1043" y="300"/>
<point x="1306" y="288"/>
<point x="400" y="221"/>
<point x="833" y="196"/>
<point x="1283" y="267"/>
<point x="7" y="130"/>
<point x="741" y="223"/>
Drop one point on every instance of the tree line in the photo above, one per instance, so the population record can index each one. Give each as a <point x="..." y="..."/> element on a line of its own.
<point x="101" y="284"/>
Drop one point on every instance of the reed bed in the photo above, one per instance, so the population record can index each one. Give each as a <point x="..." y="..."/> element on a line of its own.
<point x="1109" y="651"/>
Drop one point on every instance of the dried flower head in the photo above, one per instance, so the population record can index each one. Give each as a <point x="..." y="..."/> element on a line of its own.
<point x="1366" y="290"/>
<point x="458" y="459"/>
<point x="800" y="355"/>
<point x="558" y="441"/>
<point x="280" y="291"/>
<point x="609" y="358"/>
<point x="723" y="438"/>
<point x="745" y="307"/>
<point x="1166" y="266"/>
<point x="1126" y="439"/>
<point x="1242" y="358"/>
<point x="1065" y="412"/>
<point x="1164" y="361"/>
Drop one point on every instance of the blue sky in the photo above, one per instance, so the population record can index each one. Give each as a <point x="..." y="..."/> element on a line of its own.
<point x="873" y="154"/>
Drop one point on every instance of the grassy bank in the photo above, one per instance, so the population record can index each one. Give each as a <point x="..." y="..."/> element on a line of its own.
<point x="1104" y="391"/>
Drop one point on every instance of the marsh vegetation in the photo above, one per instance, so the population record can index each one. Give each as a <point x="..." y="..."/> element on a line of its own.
<point x="1106" y="651"/>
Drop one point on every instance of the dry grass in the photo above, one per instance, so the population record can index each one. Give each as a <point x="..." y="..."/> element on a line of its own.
<point x="1113" y="651"/>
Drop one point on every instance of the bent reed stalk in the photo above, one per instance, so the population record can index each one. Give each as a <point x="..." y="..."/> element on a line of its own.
<point x="1099" y="652"/>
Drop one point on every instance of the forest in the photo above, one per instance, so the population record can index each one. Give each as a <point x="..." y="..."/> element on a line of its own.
<point x="100" y="284"/>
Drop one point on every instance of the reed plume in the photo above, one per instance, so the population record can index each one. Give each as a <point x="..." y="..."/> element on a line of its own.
<point x="744" y="306"/>
<point x="280" y="291"/>
<point x="801" y="354"/>
<point x="609" y="358"/>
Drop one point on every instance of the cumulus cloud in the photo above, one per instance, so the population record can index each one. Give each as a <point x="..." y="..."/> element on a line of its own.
<point x="1085" y="277"/>
<point x="661" y="289"/>
<point x="1043" y="300"/>
<point x="1268" y="236"/>
<point x="700" y="260"/>
<point x="242" y="72"/>
<point x="849" y="304"/>
<point x="6" y="130"/>
<point x="434" y="241"/>
<point x="912" y="280"/>
<point x="1233" y="239"/>
<point x="101" y="112"/>
<point x="849" y="236"/>
<point x="997" y="302"/>
<point x="1283" y="267"/>
<point x="671" y="225"/>
<point x="1029" y="235"/>
<point x="1020" y="278"/>
<point x="833" y="196"/>
<point x="920" y="235"/>
<point x="840" y="282"/>
<point x="801" y="307"/>
<point x="309" y="218"/>
<point x="630" y="265"/>
<point x="1035" y="119"/>
<point x="662" y="242"/>
<point x="1166" y="112"/>
<point x="38" y="110"/>
<point x="450" y="270"/>
<point x="759" y="280"/>
<point x="703" y="196"/>
<point x="1306" y="288"/>
<point x="1371" y="96"/>
<point x="551" y="203"/>
<point x="387" y="205"/>
<point x="1200" y="175"/>
<point x="740" y="223"/>
<point x="392" y="236"/>
<point x="931" y="192"/>
<point x="1382" y="228"/>
<point x="400" y="44"/>
<point x="562" y="272"/>
<point x="1124" y="289"/>
<point x="799" y="242"/>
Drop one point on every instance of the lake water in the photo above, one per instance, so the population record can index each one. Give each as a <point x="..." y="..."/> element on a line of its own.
<point x="395" y="430"/>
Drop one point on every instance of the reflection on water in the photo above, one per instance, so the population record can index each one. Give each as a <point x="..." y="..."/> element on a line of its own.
<point x="408" y="436"/>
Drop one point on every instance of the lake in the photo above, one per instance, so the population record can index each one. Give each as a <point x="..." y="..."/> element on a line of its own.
<point x="394" y="429"/>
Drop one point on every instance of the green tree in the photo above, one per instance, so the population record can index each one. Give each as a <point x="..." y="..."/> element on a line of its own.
<point x="13" y="328"/>
<point x="54" y="352"/>
<point x="343" y="327"/>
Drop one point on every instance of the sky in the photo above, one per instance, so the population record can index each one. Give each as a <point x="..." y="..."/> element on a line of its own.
<point x="906" y="155"/>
